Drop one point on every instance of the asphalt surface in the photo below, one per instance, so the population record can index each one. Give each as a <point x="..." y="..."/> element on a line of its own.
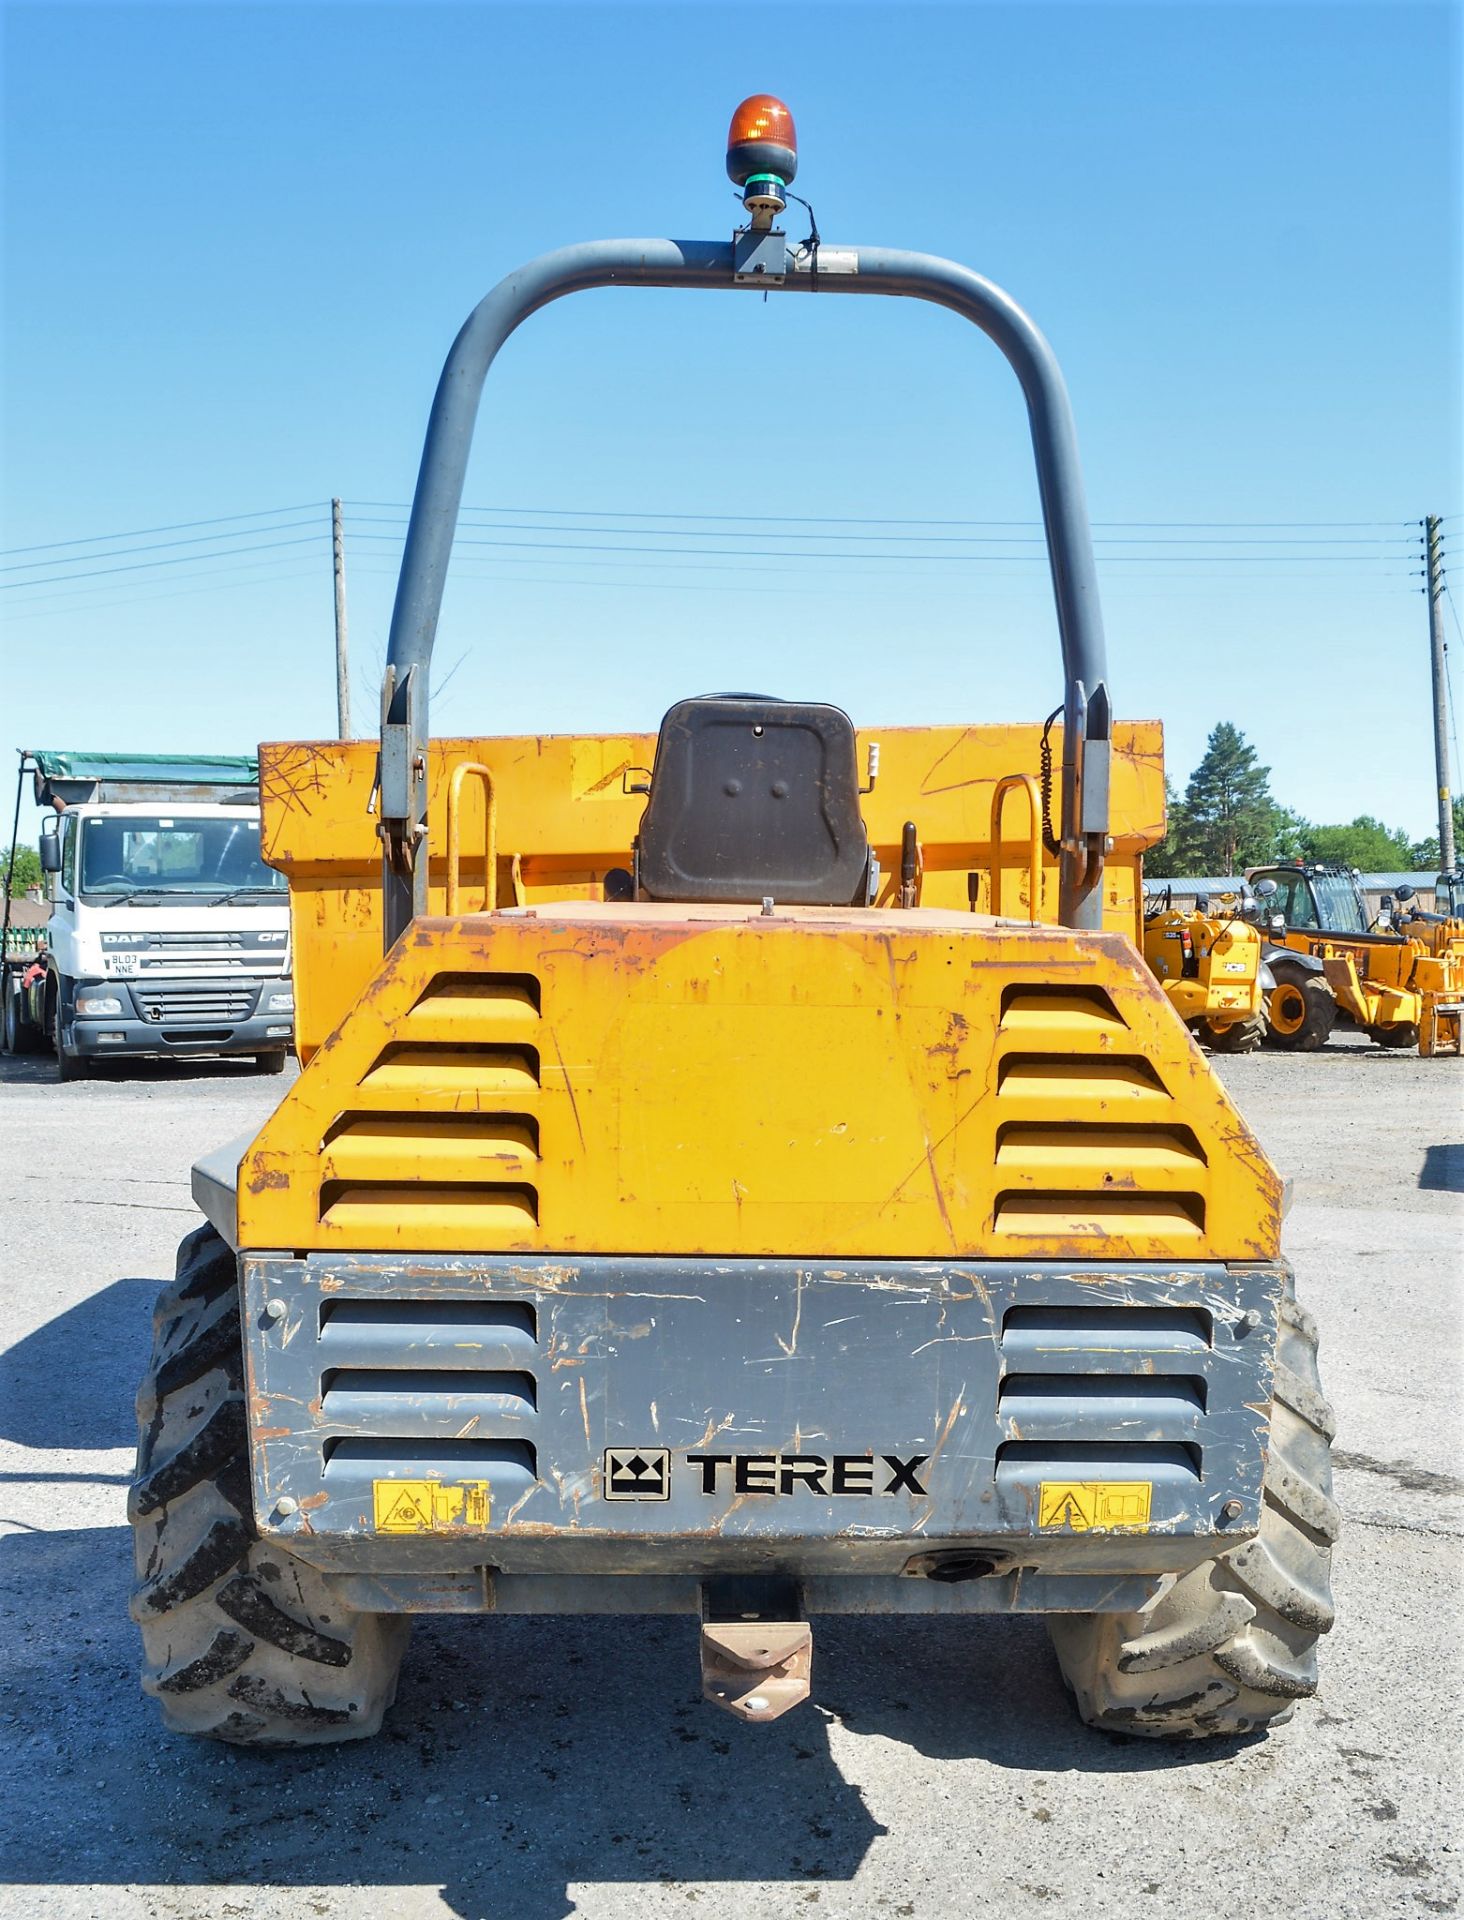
<point x="535" y="1770"/>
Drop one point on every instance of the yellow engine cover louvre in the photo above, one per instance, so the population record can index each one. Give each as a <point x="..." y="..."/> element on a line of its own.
<point x="665" y="1080"/>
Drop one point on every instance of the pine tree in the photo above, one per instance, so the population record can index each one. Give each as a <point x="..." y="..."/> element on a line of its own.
<point x="1229" y="816"/>
<point x="1166" y="860"/>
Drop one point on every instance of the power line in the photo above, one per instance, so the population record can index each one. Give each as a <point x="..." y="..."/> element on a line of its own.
<point x="931" y="539"/>
<point x="37" y="611"/>
<point x="722" y="553"/>
<point x="799" y="557"/>
<point x="482" y="567"/>
<point x="179" y="560"/>
<point x="155" y="546"/>
<point x="850" y="520"/>
<point x="176" y="526"/>
<point x="1315" y="533"/>
<point x="44" y="593"/>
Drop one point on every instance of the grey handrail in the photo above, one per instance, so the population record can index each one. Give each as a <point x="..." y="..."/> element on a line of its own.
<point x="757" y="261"/>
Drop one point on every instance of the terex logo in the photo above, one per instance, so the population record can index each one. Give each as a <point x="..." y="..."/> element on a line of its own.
<point x="787" y="1472"/>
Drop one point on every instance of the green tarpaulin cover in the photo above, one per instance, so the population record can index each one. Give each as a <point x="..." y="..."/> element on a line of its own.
<point x="196" y="769"/>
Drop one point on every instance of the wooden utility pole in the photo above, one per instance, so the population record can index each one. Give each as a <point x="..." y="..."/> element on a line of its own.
<point x="343" y="670"/>
<point x="1434" y="587"/>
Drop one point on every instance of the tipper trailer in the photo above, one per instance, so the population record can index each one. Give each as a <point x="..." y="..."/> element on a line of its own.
<point x="747" y="1186"/>
<point x="168" y="935"/>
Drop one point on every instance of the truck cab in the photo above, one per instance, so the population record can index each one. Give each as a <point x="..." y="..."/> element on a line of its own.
<point x="168" y="934"/>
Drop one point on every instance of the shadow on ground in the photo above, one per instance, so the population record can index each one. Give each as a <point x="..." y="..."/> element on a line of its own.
<point x="1442" y="1170"/>
<point x="39" y="1069"/>
<point x="522" y="1757"/>
<point x="70" y="1384"/>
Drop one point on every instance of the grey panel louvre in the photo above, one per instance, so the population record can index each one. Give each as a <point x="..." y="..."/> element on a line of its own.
<point x="997" y="1378"/>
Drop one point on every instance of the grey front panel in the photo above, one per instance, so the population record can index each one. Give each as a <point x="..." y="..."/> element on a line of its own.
<point x="666" y="1416"/>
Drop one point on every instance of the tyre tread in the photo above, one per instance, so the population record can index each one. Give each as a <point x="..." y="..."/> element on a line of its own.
<point x="222" y="1657"/>
<point x="1230" y="1647"/>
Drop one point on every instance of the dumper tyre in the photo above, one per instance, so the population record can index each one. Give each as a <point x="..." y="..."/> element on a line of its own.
<point x="1300" y="1010"/>
<point x="1231" y="1646"/>
<point x="242" y="1641"/>
<point x="1394" y="1033"/>
<point x="1238" y="1036"/>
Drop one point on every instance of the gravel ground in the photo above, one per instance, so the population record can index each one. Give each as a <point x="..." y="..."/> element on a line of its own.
<point x="532" y="1771"/>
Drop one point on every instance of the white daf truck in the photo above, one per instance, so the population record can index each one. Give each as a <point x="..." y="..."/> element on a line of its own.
<point x="168" y="935"/>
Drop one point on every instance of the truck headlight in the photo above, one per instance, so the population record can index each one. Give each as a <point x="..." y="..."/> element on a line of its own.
<point x="96" y="1002"/>
<point x="283" y="1002"/>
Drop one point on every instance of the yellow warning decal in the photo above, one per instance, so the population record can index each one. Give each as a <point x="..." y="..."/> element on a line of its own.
<point x="1111" y="1506"/>
<point x="427" y="1506"/>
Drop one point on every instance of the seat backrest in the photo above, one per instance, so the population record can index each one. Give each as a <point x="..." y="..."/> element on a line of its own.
<point x="752" y="797"/>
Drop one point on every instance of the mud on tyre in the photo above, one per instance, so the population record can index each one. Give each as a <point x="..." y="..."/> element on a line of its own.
<point x="241" y="1641"/>
<point x="1231" y="1646"/>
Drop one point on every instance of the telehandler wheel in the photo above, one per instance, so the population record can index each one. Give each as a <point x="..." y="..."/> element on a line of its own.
<point x="241" y="1641"/>
<point x="1239" y="1036"/>
<point x="1300" y="1010"/>
<point x="1396" y="1033"/>
<point x="1231" y="1646"/>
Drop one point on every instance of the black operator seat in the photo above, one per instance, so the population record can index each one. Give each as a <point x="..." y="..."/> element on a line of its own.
<point x="752" y="797"/>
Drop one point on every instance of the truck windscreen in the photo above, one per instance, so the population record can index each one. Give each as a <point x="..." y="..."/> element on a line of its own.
<point x="170" y="853"/>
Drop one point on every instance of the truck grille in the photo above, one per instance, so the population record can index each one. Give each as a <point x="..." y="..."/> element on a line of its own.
<point x="193" y="1003"/>
<point x="227" y="940"/>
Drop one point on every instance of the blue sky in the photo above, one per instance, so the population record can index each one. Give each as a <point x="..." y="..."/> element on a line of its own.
<point x="242" y="238"/>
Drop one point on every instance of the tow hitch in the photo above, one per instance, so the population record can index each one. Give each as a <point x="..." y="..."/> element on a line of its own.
<point x="756" y="1650"/>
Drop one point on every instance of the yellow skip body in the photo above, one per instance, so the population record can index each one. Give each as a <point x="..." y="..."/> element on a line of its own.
<point x="575" y="1074"/>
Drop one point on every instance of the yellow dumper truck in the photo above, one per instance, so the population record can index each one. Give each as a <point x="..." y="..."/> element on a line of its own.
<point x="728" y="1178"/>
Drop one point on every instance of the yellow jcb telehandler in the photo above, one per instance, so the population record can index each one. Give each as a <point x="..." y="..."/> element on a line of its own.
<point x="1329" y="960"/>
<point x="748" y="1190"/>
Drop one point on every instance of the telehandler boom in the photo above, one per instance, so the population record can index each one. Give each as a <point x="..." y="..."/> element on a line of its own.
<point x="749" y="1186"/>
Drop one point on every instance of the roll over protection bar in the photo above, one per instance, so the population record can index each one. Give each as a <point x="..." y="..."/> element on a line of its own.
<point x="759" y="260"/>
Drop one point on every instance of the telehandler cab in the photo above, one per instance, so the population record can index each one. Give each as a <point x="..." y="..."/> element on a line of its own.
<point x="750" y="1188"/>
